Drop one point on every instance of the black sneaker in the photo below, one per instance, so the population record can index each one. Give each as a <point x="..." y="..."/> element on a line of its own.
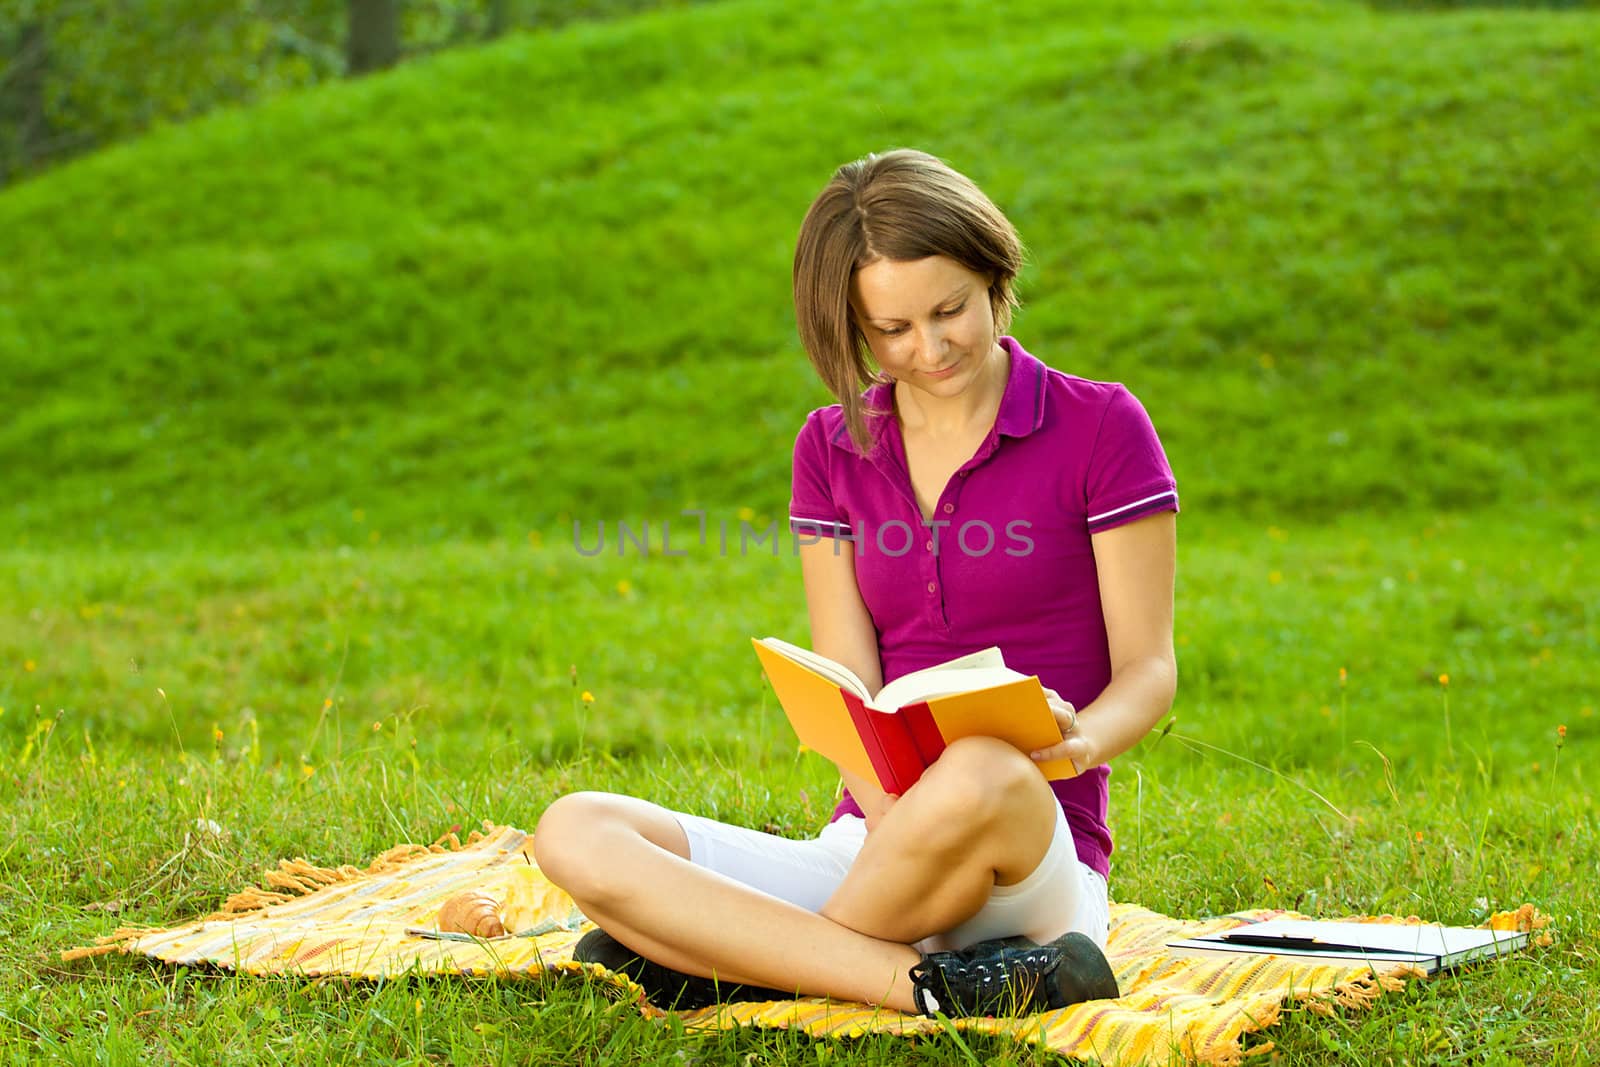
<point x="663" y="986"/>
<point x="1013" y="976"/>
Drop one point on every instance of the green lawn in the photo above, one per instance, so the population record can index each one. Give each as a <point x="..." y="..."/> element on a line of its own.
<point x="301" y="404"/>
<point x="329" y="704"/>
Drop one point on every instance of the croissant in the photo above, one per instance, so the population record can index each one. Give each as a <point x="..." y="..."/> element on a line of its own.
<point x="474" y="912"/>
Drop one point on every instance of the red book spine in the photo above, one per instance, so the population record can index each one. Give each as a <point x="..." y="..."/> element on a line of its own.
<point x="888" y="743"/>
<point x="924" y="732"/>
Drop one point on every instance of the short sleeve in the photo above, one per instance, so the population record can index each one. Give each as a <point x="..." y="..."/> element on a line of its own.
<point x="1128" y="475"/>
<point x="812" y="511"/>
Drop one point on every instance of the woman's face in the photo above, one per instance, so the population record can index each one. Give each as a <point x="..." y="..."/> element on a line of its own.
<point x="928" y="322"/>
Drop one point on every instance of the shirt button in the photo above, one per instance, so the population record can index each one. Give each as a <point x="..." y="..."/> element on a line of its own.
<point x="933" y="587"/>
<point x="930" y="546"/>
<point x="948" y="508"/>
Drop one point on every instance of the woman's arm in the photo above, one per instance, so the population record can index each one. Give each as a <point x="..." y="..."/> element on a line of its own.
<point x="842" y="630"/>
<point x="1137" y="565"/>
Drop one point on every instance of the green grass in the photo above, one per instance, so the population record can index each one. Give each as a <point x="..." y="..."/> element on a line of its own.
<point x="301" y="404"/>
<point x="388" y="694"/>
<point x="551" y="277"/>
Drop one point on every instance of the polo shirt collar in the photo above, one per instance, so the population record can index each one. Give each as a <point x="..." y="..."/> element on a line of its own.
<point x="1021" y="405"/>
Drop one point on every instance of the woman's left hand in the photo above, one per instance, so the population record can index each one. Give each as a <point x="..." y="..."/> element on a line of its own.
<point x="1074" y="745"/>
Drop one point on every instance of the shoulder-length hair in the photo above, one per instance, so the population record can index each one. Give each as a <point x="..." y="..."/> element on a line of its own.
<point x="899" y="205"/>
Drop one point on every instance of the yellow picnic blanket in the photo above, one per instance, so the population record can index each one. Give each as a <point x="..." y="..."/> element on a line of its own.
<point x="379" y="921"/>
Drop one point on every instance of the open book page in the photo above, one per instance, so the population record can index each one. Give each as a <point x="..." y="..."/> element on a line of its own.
<point x="833" y="670"/>
<point x="938" y="682"/>
<point x="907" y="688"/>
<point x="984" y="657"/>
<point x="899" y="689"/>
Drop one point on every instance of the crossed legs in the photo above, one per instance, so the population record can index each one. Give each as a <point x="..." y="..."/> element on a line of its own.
<point x="982" y="816"/>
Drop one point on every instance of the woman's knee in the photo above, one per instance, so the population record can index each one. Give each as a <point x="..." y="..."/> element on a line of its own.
<point x="978" y="783"/>
<point x="563" y="838"/>
<point x="583" y="841"/>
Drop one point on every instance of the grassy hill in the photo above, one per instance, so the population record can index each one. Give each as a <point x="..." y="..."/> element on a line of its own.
<point x="1348" y="259"/>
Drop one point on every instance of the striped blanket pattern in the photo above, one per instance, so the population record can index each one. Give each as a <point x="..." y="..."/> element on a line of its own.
<point x="378" y="921"/>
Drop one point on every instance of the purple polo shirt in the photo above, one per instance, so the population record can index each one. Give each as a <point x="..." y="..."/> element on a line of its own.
<point x="1006" y="560"/>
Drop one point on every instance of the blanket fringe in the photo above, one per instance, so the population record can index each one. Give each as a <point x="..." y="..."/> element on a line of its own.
<point x="297" y="877"/>
<point x="1226" y="1048"/>
<point x="117" y="941"/>
<point x="1359" y="992"/>
<point x="1526" y="919"/>
<point x="291" y="879"/>
<point x="1225" y="1054"/>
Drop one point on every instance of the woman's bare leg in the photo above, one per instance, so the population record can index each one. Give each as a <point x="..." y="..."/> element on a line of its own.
<point x="981" y="816"/>
<point x="625" y="862"/>
<point x="974" y="821"/>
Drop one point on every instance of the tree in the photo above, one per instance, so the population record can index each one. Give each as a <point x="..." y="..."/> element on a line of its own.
<point x="79" y="74"/>
<point x="499" y="19"/>
<point x="373" y="40"/>
<point x="22" y="88"/>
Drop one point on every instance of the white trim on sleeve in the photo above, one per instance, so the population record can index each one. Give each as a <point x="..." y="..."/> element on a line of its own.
<point x="1129" y="507"/>
<point x="830" y="527"/>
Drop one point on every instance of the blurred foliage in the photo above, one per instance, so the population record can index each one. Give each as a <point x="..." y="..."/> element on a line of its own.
<point x="78" y="74"/>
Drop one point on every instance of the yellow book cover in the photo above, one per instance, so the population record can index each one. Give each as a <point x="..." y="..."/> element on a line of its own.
<point x="892" y="737"/>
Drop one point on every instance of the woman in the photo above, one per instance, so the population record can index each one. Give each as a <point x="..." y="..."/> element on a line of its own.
<point x="1043" y="513"/>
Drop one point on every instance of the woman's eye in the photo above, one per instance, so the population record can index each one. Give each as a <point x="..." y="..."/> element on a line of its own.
<point x="949" y="312"/>
<point x="893" y="331"/>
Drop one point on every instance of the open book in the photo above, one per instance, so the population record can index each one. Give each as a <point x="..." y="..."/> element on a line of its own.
<point x="1432" y="948"/>
<point x="893" y="736"/>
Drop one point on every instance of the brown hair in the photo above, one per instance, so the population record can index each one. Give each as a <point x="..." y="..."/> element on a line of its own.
<point x="899" y="205"/>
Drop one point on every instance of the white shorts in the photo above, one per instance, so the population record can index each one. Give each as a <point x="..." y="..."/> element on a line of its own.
<point x="1061" y="894"/>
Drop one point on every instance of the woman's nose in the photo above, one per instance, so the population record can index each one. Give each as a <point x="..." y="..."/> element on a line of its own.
<point x="931" y="344"/>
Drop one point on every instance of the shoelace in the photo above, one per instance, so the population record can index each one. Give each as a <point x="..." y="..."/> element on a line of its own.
<point x="970" y="981"/>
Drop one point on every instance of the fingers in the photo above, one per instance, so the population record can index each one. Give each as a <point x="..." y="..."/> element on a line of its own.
<point x="1075" y="749"/>
<point x="1066" y="715"/>
<point x="1072" y="746"/>
<point x="1053" y="752"/>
